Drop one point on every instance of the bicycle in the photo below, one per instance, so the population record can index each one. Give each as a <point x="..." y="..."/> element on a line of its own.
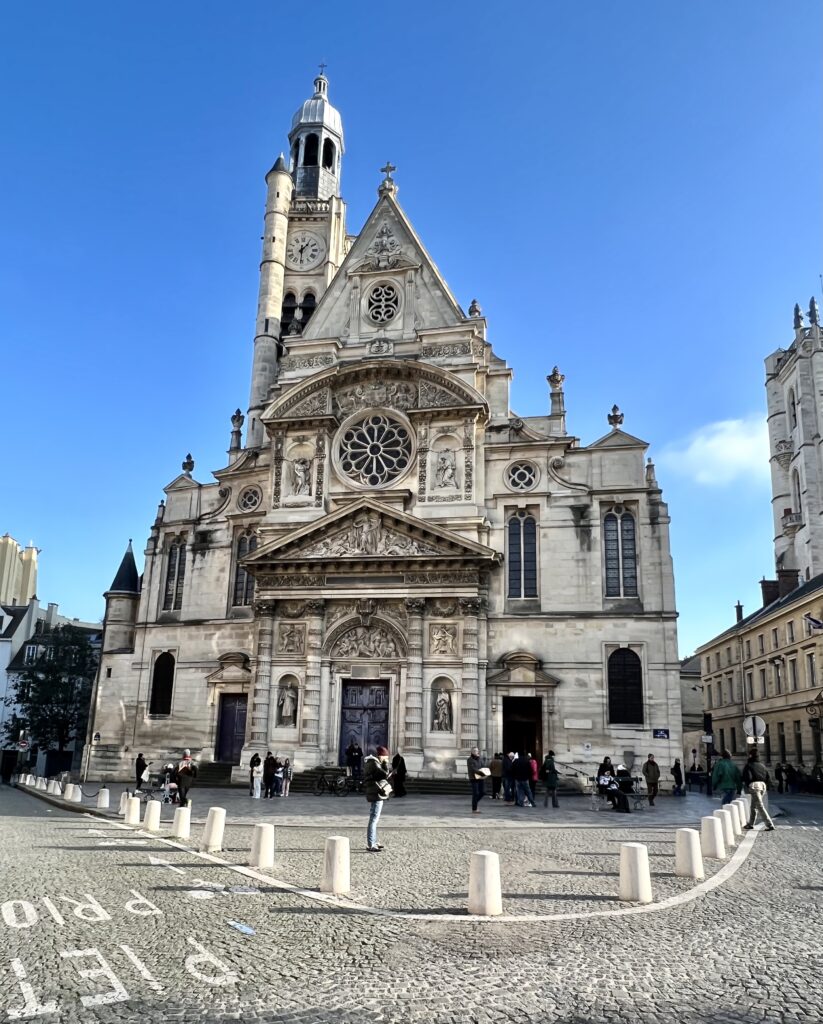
<point x="327" y="781"/>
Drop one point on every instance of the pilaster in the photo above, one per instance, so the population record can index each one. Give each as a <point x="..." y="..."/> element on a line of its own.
<point x="469" y="719"/>
<point x="257" y="731"/>
<point x="413" y="730"/>
<point x="312" y="709"/>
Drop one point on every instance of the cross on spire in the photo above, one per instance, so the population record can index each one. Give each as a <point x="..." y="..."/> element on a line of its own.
<point x="387" y="170"/>
<point x="322" y="67"/>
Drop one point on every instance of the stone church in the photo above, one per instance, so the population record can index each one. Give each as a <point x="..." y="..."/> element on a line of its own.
<point x="392" y="555"/>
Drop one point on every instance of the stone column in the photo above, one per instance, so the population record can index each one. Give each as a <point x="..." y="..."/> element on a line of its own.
<point x="413" y="730"/>
<point x="312" y="709"/>
<point x="325" y="709"/>
<point x="469" y="718"/>
<point x="486" y="741"/>
<point x="257" y="731"/>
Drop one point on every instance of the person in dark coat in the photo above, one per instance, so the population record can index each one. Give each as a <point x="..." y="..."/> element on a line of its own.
<point x="508" y="778"/>
<point x="756" y="777"/>
<point x="268" y="776"/>
<point x="376" y="770"/>
<point x="522" y="775"/>
<point x="477" y="777"/>
<point x="677" y="775"/>
<point x="779" y="774"/>
<point x="140" y="765"/>
<point x="496" y="768"/>
<point x="548" y="773"/>
<point x="399" y="774"/>
<point x="357" y="761"/>
<point x="254" y="763"/>
<point x="186" y="774"/>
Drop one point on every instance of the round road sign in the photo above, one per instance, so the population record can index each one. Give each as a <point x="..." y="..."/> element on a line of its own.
<point x="753" y="725"/>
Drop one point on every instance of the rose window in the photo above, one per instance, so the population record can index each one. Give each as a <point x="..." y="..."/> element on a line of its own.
<point x="521" y="476"/>
<point x="249" y="499"/>
<point x="375" y="450"/>
<point x="383" y="303"/>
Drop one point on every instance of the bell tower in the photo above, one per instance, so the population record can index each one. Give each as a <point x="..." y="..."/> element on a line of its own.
<point x="316" y="140"/>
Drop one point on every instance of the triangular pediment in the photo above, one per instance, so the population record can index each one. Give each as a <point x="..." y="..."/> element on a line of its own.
<point x="368" y="531"/>
<point x="386" y="251"/>
<point x="618" y="439"/>
<point x="183" y="482"/>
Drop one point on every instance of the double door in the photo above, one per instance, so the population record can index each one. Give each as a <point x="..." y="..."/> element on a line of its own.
<point x="364" y="716"/>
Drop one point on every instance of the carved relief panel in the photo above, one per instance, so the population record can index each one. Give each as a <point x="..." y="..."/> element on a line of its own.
<point x="443" y="639"/>
<point x="291" y="638"/>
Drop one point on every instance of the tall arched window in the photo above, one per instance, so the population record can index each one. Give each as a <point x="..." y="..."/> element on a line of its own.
<point x="620" y="546"/>
<point x="295" y="156"/>
<point x="328" y="154"/>
<point x="310" y="150"/>
<point x="162" y="684"/>
<point x="243" y="581"/>
<point x="522" y="530"/>
<point x="175" y="575"/>
<point x="625" y="688"/>
<point x="289" y="309"/>
<point x="308" y="306"/>
<point x="792" y="403"/>
<point x="797" y="496"/>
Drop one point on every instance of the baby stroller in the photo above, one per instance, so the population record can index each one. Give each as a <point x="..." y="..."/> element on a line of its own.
<point x="163" y="784"/>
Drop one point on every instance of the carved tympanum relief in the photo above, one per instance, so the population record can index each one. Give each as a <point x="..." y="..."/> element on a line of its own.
<point x="367" y="535"/>
<point x="360" y="642"/>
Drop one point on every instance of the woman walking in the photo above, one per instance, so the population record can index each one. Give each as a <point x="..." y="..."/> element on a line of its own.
<point x="287" y="774"/>
<point x="548" y="773"/>
<point x="376" y="773"/>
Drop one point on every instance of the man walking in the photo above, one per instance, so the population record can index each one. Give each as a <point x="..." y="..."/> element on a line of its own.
<point x="726" y="777"/>
<point x="756" y="777"/>
<point x="651" y="773"/>
<point x="186" y="774"/>
<point x="522" y="774"/>
<point x="548" y="773"/>
<point x="477" y="777"/>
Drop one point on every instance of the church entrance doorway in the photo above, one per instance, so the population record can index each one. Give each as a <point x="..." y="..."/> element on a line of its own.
<point x="364" y="716"/>
<point x="523" y="726"/>
<point x="231" y="727"/>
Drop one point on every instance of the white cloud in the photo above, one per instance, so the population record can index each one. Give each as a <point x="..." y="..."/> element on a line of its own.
<point x="721" y="453"/>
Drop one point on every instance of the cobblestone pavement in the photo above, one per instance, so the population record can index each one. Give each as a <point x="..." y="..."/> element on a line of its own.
<point x="103" y="924"/>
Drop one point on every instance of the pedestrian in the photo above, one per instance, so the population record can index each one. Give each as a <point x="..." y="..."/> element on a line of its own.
<point x="522" y="773"/>
<point x="677" y="775"/>
<point x="548" y="773"/>
<point x="257" y="779"/>
<point x="791" y="778"/>
<point x="496" y="768"/>
<point x="756" y="777"/>
<point x="780" y="776"/>
<point x="268" y="776"/>
<point x="726" y="777"/>
<point x="287" y="774"/>
<point x="140" y="766"/>
<point x="398" y="764"/>
<point x="186" y="774"/>
<point x="508" y="778"/>
<point x="477" y="777"/>
<point x="651" y="773"/>
<point x="278" y="776"/>
<point x="605" y="770"/>
<point x="254" y="763"/>
<point x="377" y="774"/>
<point x="534" y="769"/>
<point x="357" y="761"/>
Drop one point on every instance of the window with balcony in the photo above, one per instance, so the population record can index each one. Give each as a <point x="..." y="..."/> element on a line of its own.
<point x="749" y="686"/>
<point x="778" y="678"/>
<point x="775" y="640"/>
<point x="793" y="680"/>
<point x="790" y="632"/>
<point x="764" y="686"/>
<point x="811" y="670"/>
<point x="748" y="649"/>
<point x="728" y="655"/>
<point x="761" y="643"/>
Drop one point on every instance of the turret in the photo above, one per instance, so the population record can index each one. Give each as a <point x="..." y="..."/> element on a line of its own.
<point x="316" y="140"/>
<point x="122" y="601"/>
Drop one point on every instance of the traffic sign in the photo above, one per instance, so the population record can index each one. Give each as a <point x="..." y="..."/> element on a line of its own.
<point x="753" y="725"/>
<point x="707" y="739"/>
<point x="23" y="745"/>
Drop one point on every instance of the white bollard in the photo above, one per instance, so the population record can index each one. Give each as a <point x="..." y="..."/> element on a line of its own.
<point x="742" y="811"/>
<point x="181" y="826"/>
<point x="262" y="847"/>
<point x="212" y="841"/>
<point x="336" y="874"/>
<point x="68" y="792"/>
<point x="151" y="816"/>
<point x="725" y="819"/>
<point x="77" y="795"/>
<point x="734" y="818"/>
<point x="688" y="860"/>
<point x="635" y="879"/>
<point x="53" y="788"/>
<point x="40" y="783"/>
<point x="711" y="838"/>
<point x="103" y="799"/>
<point x="124" y="800"/>
<point x="132" y="816"/>
<point x="485" y="893"/>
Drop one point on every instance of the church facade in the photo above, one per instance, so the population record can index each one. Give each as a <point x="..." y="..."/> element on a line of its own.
<point x="392" y="555"/>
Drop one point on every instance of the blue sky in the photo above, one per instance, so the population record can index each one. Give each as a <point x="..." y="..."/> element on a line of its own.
<point x="631" y="190"/>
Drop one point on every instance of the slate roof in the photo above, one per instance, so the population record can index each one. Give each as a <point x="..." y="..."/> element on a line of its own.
<point x="127" y="580"/>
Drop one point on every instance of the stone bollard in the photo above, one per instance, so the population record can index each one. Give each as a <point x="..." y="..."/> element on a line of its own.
<point x="485" y="893"/>
<point x="132" y="816"/>
<point x="151" y="816"/>
<point x="212" y="841"/>
<point x="336" y="873"/>
<point x="76" y="795"/>
<point x="40" y="783"/>
<point x="740" y="807"/>
<point x="635" y="879"/>
<point x="124" y="799"/>
<point x="688" y="860"/>
<point x="181" y="826"/>
<point x="53" y="788"/>
<point x="103" y="799"/>
<point x="262" y="847"/>
<point x="711" y="838"/>
<point x="734" y="818"/>
<point x="68" y="792"/>
<point x="725" y="819"/>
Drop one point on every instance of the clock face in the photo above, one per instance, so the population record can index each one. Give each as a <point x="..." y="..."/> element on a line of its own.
<point x="304" y="251"/>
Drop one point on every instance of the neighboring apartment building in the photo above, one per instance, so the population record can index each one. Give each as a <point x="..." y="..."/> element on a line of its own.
<point x="18" y="571"/>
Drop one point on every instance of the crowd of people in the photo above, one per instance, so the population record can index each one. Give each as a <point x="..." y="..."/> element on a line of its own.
<point x="269" y="777"/>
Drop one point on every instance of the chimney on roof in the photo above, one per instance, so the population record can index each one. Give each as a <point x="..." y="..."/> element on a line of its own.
<point x="787" y="580"/>
<point x="738" y="610"/>
<point x="770" y="590"/>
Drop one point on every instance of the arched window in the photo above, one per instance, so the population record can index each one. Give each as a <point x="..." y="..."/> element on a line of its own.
<point x="175" y="575"/>
<point x="620" y="546"/>
<point x="308" y="306"/>
<point x="522" y="530"/>
<point x="792" y="409"/>
<point x="295" y="156"/>
<point x="289" y="309"/>
<point x="162" y="685"/>
<point x="625" y="688"/>
<point x="797" y="496"/>
<point x="310" y="150"/>
<point x="243" y="581"/>
<point x="328" y="155"/>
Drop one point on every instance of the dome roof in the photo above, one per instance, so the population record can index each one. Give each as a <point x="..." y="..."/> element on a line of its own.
<point x="318" y="110"/>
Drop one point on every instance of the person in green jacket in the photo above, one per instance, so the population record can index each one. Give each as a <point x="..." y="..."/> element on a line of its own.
<point x="726" y="777"/>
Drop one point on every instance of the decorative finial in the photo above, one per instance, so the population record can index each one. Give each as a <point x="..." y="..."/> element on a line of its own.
<point x="615" y="418"/>
<point x="474" y="308"/>
<point x="237" y="421"/>
<point x="814" y="312"/>
<point x="651" y="479"/>
<point x="388" y="185"/>
<point x="555" y="379"/>
<point x="188" y="464"/>
<point x="798" y="316"/>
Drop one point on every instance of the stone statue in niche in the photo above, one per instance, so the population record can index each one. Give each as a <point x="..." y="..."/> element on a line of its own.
<point x="443" y="639"/>
<point x="445" y="472"/>
<point x="287" y="706"/>
<point x="291" y="640"/>
<point x="301" y="476"/>
<point x="443" y="719"/>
